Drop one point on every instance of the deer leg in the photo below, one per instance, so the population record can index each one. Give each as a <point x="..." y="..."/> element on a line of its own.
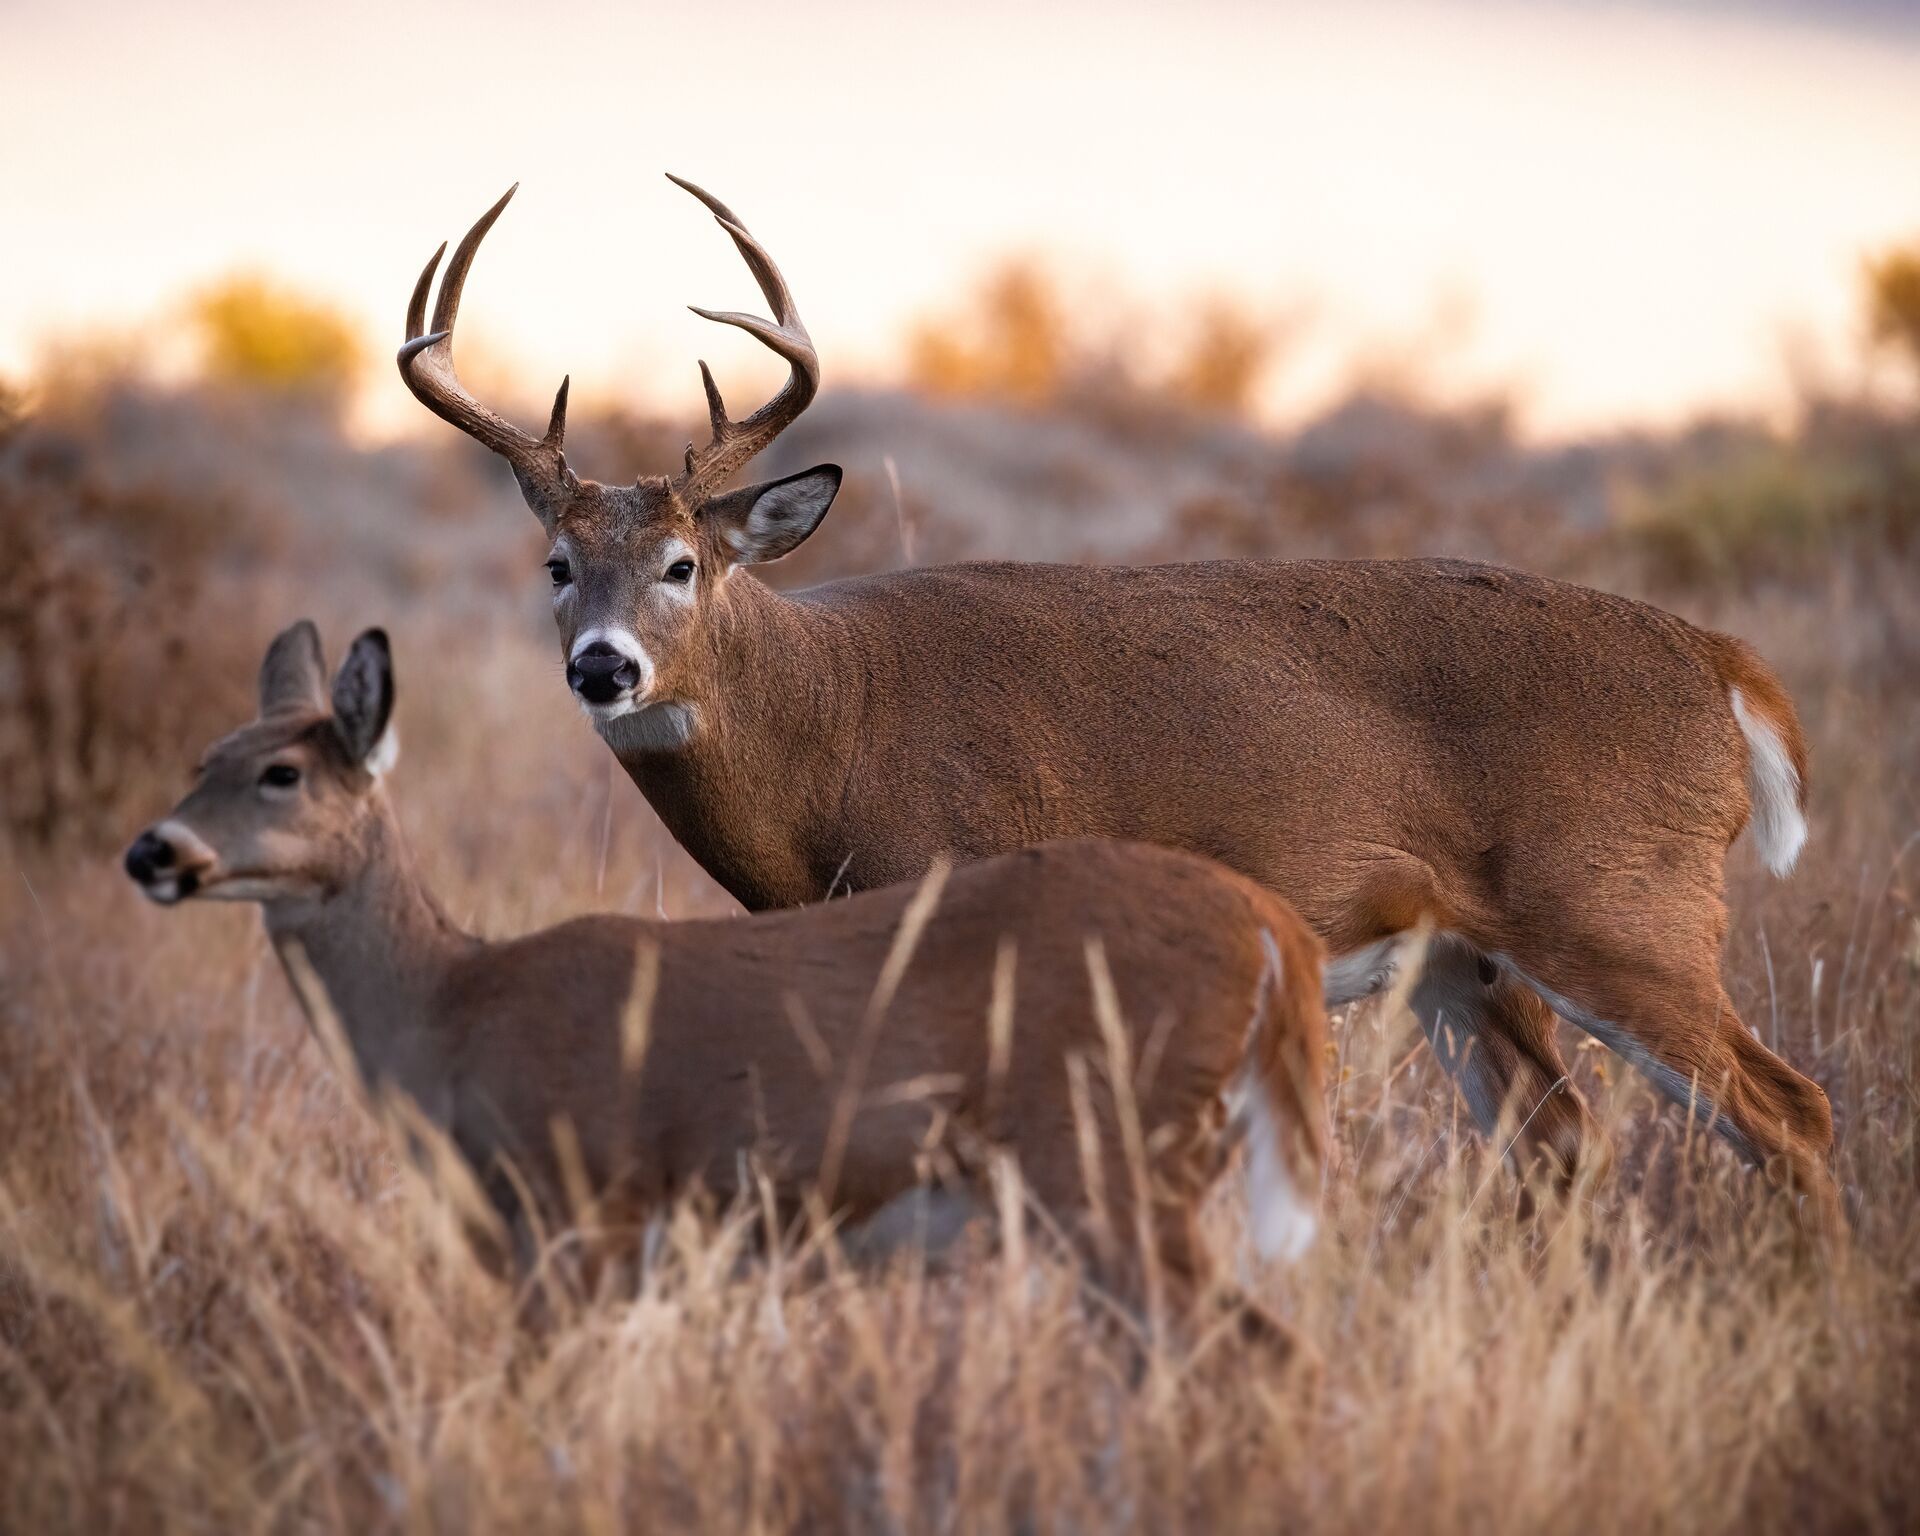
<point x="1194" y="1297"/>
<point x="1668" y="1014"/>
<point x="1496" y="1038"/>
<point x="1120" y="1258"/>
<point x="1787" y="1123"/>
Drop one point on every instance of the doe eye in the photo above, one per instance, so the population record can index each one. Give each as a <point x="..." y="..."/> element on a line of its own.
<point x="280" y="775"/>
<point x="560" y="571"/>
<point x="680" y="570"/>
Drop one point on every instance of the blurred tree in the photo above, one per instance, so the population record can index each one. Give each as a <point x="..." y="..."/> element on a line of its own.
<point x="13" y="408"/>
<point x="1223" y="361"/>
<point x="1016" y="338"/>
<point x="1012" y="342"/>
<point x="1893" y="301"/>
<point x="253" y="333"/>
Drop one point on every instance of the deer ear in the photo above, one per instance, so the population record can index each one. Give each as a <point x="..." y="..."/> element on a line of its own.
<point x="764" y="522"/>
<point x="363" y="703"/>
<point x="294" y="674"/>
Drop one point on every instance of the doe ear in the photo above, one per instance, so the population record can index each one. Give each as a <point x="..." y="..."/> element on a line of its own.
<point x="763" y="522"/>
<point x="363" y="702"/>
<point x="294" y="674"/>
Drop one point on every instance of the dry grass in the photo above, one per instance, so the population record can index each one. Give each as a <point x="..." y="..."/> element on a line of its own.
<point x="225" y="1304"/>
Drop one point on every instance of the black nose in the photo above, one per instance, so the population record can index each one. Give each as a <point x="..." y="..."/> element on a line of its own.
<point x="149" y="858"/>
<point x="600" y="674"/>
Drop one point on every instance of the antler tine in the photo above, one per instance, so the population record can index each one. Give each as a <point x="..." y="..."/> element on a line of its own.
<point x="714" y="206"/>
<point x="735" y="442"/>
<point x="765" y="273"/>
<point x="447" y="307"/>
<point x="417" y="305"/>
<point x="426" y="364"/>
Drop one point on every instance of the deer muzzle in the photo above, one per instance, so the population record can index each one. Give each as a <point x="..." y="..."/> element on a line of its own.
<point x="167" y="862"/>
<point x="605" y="670"/>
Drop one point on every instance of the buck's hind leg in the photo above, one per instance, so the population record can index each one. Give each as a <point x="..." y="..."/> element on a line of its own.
<point x="1496" y="1038"/>
<point x="1644" y="979"/>
<point x="1787" y="1122"/>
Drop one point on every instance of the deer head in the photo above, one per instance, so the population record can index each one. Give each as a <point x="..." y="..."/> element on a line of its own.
<point x="278" y="807"/>
<point x="639" y="569"/>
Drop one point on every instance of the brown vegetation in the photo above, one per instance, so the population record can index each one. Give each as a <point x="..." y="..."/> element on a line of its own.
<point x="1892" y="281"/>
<point x="253" y="333"/>
<point x="226" y="1303"/>
<point x="1017" y="338"/>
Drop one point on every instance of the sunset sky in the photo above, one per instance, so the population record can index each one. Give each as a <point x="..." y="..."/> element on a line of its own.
<point x="1627" y="211"/>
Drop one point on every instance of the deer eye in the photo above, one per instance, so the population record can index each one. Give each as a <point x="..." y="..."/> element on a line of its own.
<point x="280" y="776"/>
<point x="561" y="573"/>
<point x="680" y="570"/>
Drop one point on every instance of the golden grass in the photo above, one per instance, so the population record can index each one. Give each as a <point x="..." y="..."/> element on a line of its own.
<point x="225" y="1303"/>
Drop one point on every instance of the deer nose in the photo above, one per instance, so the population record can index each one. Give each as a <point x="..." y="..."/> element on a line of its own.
<point x="601" y="673"/>
<point x="149" y="858"/>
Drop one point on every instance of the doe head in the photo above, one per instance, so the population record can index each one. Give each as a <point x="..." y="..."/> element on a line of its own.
<point x="639" y="570"/>
<point x="279" y="809"/>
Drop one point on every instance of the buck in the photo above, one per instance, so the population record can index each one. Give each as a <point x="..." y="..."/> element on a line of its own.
<point x="842" y="1049"/>
<point x="1551" y="776"/>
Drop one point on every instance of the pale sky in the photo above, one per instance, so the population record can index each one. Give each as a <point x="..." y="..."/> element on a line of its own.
<point x="1635" y="205"/>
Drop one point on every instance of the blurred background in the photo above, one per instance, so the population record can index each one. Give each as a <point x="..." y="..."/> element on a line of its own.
<point x="1626" y="292"/>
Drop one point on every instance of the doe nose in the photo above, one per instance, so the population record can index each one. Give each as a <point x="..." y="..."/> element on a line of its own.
<point x="600" y="674"/>
<point x="149" y="858"/>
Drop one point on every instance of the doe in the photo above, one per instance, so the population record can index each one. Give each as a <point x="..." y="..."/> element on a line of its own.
<point x="770" y="1051"/>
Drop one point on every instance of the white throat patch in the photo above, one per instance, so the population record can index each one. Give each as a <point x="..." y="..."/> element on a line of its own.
<point x="649" y="728"/>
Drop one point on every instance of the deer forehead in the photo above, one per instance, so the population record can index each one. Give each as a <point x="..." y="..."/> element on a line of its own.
<point x="623" y="521"/>
<point x="261" y="738"/>
<point x="232" y="763"/>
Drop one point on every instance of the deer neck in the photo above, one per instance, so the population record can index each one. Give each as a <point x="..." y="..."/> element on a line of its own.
<point x="753" y="790"/>
<point x="379" y="948"/>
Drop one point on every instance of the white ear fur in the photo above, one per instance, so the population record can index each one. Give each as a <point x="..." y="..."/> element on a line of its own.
<point x="772" y="517"/>
<point x="781" y="515"/>
<point x="385" y="753"/>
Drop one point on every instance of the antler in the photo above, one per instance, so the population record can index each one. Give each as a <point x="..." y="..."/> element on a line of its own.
<point x="426" y="363"/>
<point x="735" y="442"/>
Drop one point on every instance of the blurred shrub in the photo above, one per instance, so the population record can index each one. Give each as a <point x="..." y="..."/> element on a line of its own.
<point x="1734" y="503"/>
<point x="118" y="655"/>
<point x="253" y="333"/>
<point x="1223" y="361"/>
<point x="1893" y="302"/>
<point x="1017" y="339"/>
<point x="1012" y="343"/>
<point x="106" y="674"/>
<point x="13" y="410"/>
<point x="1764" y="505"/>
<point x="1779" y="509"/>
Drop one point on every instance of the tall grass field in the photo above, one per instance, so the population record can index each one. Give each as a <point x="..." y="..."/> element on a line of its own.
<point x="228" y="1301"/>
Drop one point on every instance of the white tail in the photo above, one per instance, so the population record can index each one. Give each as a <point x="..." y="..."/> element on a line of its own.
<point x="1773" y="785"/>
<point x="1279" y="1104"/>
<point x="1282" y="1218"/>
